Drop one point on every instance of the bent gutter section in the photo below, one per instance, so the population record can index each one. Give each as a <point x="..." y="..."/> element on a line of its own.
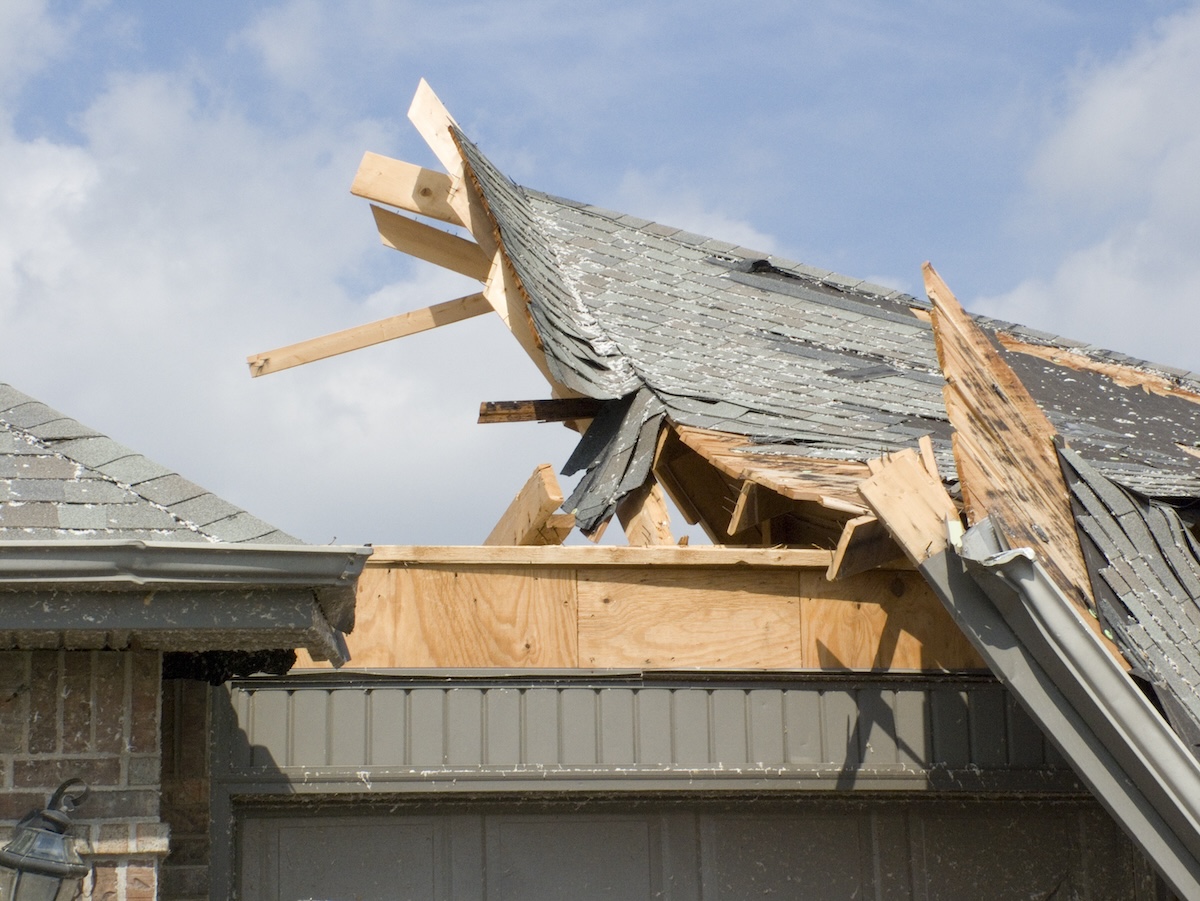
<point x="1118" y="744"/>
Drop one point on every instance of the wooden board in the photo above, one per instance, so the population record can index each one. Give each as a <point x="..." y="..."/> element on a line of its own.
<point x="369" y="643"/>
<point x="684" y="619"/>
<point x="606" y="555"/>
<point x="644" y="516"/>
<point x="367" y="335"/>
<point x="405" y="186"/>
<point x="558" y="409"/>
<point x="912" y="505"/>
<point x="527" y="519"/>
<point x="431" y="244"/>
<point x="864" y="544"/>
<point x="879" y="621"/>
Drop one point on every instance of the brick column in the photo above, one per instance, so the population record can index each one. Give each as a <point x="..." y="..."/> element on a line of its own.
<point x="185" y="788"/>
<point x="92" y="715"/>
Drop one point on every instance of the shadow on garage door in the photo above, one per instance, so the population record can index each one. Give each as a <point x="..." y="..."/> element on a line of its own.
<point x="688" y="851"/>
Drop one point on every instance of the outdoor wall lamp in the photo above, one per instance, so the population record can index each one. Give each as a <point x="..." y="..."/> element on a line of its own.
<point x="41" y="863"/>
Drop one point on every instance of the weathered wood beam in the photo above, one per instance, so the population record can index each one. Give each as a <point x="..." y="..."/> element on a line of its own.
<point x="531" y="519"/>
<point x="405" y="186"/>
<point x="365" y="335"/>
<point x="644" y="517"/>
<point x="605" y="555"/>
<point x="431" y="244"/>
<point x="558" y="409"/>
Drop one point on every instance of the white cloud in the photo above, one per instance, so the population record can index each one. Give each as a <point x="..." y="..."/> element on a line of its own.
<point x="1118" y="185"/>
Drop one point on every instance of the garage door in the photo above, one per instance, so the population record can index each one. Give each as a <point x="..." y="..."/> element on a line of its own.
<point x="687" y="851"/>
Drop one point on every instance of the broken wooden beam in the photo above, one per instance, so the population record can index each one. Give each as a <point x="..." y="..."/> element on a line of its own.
<point x="366" y="335"/>
<point x="405" y="186"/>
<point x="644" y="516"/>
<point x="912" y="505"/>
<point x="864" y="544"/>
<point x="755" y="505"/>
<point x="431" y="244"/>
<point x="531" y="518"/>
<point x="558" y="409"/>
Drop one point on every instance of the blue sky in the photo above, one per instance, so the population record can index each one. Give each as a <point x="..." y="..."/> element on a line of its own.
<point x="173" y="182"/>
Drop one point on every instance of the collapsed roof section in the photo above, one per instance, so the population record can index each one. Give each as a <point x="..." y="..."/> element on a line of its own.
<point x="103" y="548"/>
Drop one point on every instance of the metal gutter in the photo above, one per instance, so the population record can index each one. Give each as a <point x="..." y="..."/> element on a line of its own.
<point x="330" y="571"/>
<point x="1120" y="746"/>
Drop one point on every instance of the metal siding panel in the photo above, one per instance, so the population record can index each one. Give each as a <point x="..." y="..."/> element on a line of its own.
<point x="577" y="709"/>
<point x="617" y="732"/>
<point x="989" y="732"/>
<point x="729" y="727"/>
<point x="426" y="727"/>
<point x="877" y="725"/>
<point x="654" y="726"/>
<point x="841" y="739"/>
<point x="803" y="730"/>
<point x="951" y="732"/>
<point x="541" y="726"/>
<point x="502" y="712"/>
<point x="766" y="727"/>
<point x="912" y="728"/>
<point x="310" y="729"/>
<point x="387" y="727"/>
<point x="268" y="732"/>
<point x="348" y="732"/>
<point x="689" y="726"/>
<point x="464" y="727"/>
<point x="1026" y="744"/>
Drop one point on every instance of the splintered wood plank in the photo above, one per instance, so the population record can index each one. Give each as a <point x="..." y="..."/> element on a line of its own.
<point x="1011" y="468"/>
<point x="431" y="244"/>
<point x="831" y="483"/>
<point x="527" y="519"/>
<point x="366" y="335"/>
<point x="683" y="618"/>
<point x="405" y="186"/>
<point x="483" y="617"/>
<point x="911" y="504"/>
<point x="879" y="621"/>
<point x="864" y="544"/>
<point x="1004" y="449"/>
<point x="757" y="504"/>
<point x="644" y="516"/>
<point x="558" y="409"/>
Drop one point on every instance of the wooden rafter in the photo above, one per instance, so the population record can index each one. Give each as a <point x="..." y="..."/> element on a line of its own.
<point x="407" y="187"/>
<point x="644" y="517"/>
<point x="431" y="244"/>
<point x="366" y="335"/>
<point x="531" y="518"/>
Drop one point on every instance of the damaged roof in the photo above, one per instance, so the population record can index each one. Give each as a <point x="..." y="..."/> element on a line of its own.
<point x="800" y="360"/>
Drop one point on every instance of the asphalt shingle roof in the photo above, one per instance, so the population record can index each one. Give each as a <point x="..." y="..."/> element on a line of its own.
<point x="60" y="480"/>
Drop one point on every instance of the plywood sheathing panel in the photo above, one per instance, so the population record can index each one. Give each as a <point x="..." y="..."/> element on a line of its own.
<point x="1004" y="449"/>
<point x="684" y="618"/>
<point x="912" y="505"/>
<point x="756" y="615"/>
<point x="882" y="621"/>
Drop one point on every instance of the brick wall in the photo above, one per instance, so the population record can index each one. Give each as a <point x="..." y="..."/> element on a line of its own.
<point x="92" y="715"/>
<point x="185" y="786"/>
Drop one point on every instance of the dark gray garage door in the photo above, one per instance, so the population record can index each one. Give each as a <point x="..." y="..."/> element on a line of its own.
<point x="687" y="851"/>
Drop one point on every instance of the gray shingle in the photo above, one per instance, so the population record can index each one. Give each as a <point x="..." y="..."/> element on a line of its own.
<point x="239" y="527"/>
<point x="169" y="489"/>
<point x="62" y="429"/>
<point x="201" y="511"/>
<point x="82" y="516"/>
<point x="133" y="470"/>
<point x="93" y="452"/>
<point x="36" y="490"/>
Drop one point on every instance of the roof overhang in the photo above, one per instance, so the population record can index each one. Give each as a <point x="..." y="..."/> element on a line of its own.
<point x="178" y="596"/>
